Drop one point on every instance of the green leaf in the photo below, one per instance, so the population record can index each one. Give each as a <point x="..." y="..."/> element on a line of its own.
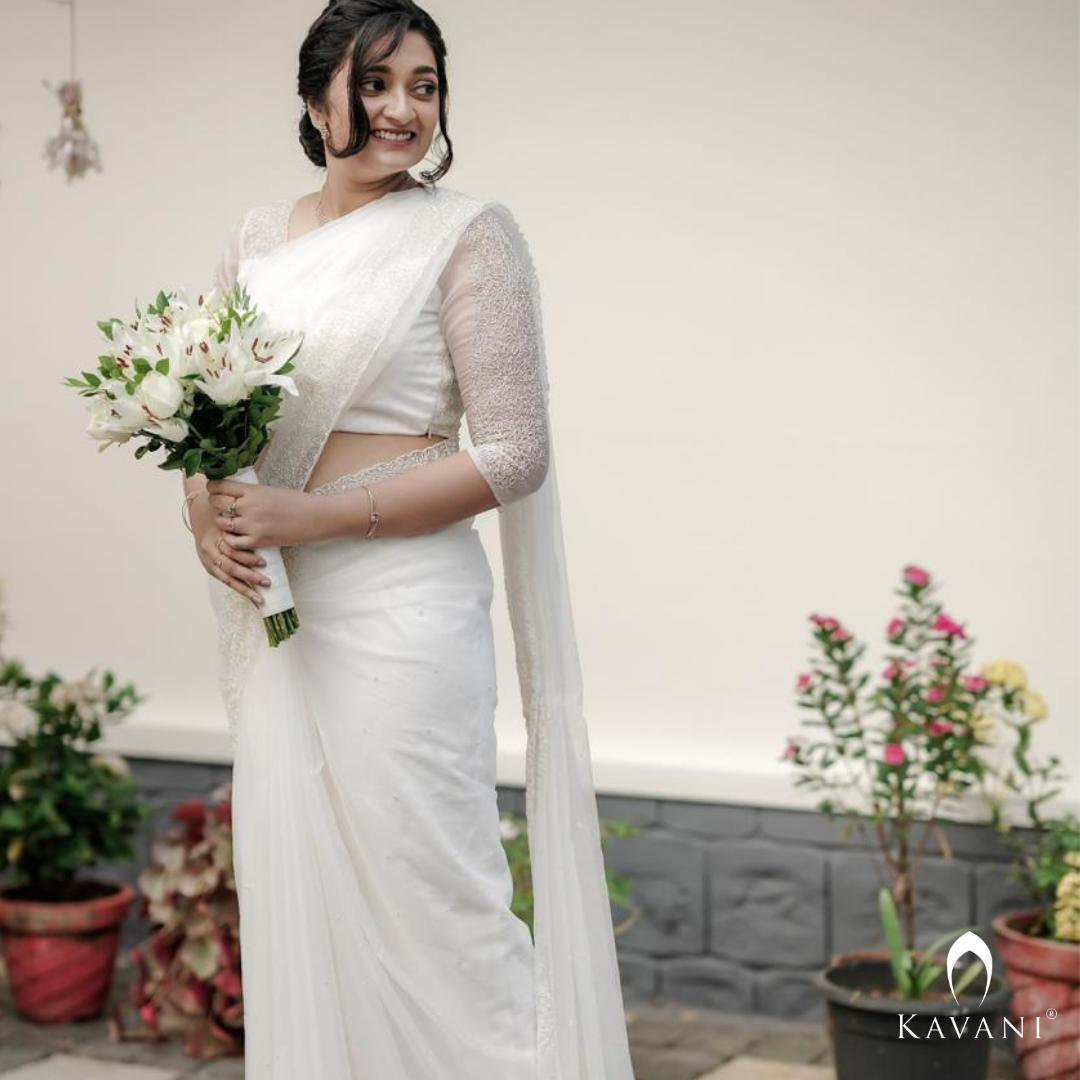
<point x="890" y="924"/>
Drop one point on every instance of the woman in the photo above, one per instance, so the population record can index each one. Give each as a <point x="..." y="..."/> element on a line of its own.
<point x="377" y="938"/>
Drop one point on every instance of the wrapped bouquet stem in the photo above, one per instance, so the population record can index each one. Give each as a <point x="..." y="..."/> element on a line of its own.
<point x="279" y="614"/>
<point x="204" y="381"/>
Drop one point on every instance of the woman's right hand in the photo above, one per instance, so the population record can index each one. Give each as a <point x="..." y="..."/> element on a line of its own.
<point x="236" y="567"/>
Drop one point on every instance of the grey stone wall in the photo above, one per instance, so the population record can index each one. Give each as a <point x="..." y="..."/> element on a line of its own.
<point x="741" y="905"/>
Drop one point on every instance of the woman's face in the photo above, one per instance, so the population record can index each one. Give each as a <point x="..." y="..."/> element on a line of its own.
<point x="401" y="94"/>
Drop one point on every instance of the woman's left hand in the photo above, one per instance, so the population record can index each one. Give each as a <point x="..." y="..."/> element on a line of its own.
<point x="266" y="516"/>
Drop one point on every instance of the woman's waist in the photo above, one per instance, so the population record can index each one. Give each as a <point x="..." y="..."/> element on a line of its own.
<point x="349" y="457"/>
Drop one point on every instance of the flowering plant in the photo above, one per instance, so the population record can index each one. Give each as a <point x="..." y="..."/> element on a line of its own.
<point x="896" y="755"/>
<point x="63" y="805"/>
<point x="205" y="381"/>
<point x="188" y="972"/>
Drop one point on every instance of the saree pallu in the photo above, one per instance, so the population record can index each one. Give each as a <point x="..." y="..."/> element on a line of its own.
<point x="365" y="820"/>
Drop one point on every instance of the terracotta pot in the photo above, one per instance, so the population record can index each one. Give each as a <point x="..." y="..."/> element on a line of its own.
<point x="1044" y="975"/>
<point x="60" y="956"/>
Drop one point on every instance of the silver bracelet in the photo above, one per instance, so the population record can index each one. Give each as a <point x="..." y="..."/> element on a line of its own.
<point x="374" y="513"/>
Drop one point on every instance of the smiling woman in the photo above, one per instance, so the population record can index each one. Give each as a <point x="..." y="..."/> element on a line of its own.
<point x="376" y="926"/>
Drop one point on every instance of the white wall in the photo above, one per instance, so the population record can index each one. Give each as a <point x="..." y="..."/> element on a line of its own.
<point x="810" y="282"/>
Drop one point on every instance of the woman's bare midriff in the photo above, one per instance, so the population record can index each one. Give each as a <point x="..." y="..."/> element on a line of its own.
<point x="348" y="452"/>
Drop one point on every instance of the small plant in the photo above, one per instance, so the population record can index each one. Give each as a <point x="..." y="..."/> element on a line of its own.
<point x="188" y="971"/>
<point x="516" y="845"/>
<point x="894" y="756"/>
<point x="1049" y="869"/>
<point x="915" y="971"/>
<point x="63" y="805"/>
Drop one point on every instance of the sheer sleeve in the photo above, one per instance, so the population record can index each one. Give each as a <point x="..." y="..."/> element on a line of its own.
<point x="487" y="319"/>
<point x="229" y="261"/>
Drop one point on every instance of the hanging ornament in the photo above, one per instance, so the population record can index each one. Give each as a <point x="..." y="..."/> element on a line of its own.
<point x="72" y="149"/>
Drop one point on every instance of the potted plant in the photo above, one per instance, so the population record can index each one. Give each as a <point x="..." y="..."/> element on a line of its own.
<point x="516" y="845"/>
<point x="883" y="1007"/>
<point x="188" y="970"/>
<point x="63" y="807"/>
<point x="892" y="758"/>
<point x="1039" y="944"/>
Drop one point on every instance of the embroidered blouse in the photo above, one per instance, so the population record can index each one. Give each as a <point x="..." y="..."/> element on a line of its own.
<point x="472" y="351"/>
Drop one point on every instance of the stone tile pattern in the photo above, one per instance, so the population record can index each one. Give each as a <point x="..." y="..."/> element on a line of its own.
<point x="741" y="905"/>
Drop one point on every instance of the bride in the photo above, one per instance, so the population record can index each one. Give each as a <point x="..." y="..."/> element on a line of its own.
<point x="375" y="924"/>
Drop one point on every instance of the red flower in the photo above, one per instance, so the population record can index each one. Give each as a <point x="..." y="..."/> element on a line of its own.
<point x="935" y="693"/>
<point x="948" y="627"/>
<point x="894" y="754"/>
<point x="916" y="575"/>
<point x="895" y="628"/>
<point x="939" y="727"/>
<point x="975" y="683"/>
<point x="803" y="683"/>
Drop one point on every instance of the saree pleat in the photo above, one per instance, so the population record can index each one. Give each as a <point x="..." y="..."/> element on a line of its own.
<point x="364" y="806"/>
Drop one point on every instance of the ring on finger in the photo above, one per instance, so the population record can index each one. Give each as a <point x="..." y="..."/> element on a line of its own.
<point x="232" y="508"/>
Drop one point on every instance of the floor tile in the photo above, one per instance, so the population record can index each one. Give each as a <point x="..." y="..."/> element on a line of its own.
<point x="71" y="1067"/>
<point x="744" y="1068"/>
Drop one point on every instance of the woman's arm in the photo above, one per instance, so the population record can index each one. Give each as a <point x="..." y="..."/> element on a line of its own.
<point x="487" y="319"/>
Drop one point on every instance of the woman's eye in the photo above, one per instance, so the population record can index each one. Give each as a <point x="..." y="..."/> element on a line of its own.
<point x="430" y="89"/>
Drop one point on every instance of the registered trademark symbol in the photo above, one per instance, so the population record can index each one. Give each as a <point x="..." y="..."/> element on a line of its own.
<point x="1051" y="1013"/>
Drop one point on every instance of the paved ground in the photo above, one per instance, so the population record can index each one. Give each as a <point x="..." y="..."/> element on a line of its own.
<point x="668" y="1042"/>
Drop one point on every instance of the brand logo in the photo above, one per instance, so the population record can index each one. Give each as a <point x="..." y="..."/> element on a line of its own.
<point x="969" y="943"/>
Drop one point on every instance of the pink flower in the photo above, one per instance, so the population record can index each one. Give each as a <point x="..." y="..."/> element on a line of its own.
<point x="895" y="628"/>
<point x="908" y="663"/>
<point x="791" y="750"/>
<point x="939" y="727"/>
<point x="916" y="575"/>
<point x="975" y="683"/>
<point x="840" y="634"/>
<point x="826" y="622"/>
<point x="894" y="754"/>
<point x="935" y="693"/>
<point x="803" y="683"/>
<point x="947" y="626"/>
<point x="893" y="671"/>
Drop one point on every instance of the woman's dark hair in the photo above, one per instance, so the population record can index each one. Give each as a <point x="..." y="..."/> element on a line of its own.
<point x="359" y="25"/>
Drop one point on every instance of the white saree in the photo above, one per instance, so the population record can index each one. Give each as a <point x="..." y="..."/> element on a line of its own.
<point x="377" y="941"/>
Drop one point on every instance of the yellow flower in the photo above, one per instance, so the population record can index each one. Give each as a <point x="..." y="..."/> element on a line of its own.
<point x="1007" y="673"/>
<point x="982" y="727"/>
<point x="1072" y="858"/>
<point x="1067" y="908"/>
<point x="1033" y="704"/>
<point x="14" y="849"/>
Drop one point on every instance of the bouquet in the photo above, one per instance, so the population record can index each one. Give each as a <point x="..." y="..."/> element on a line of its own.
<point x="203" y="380"/>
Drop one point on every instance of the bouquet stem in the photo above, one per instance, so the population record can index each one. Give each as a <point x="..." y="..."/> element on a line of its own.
<point x="280" y="618"/>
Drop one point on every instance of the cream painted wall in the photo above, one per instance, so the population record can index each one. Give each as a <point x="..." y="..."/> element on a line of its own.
<point x="810" y="281"/>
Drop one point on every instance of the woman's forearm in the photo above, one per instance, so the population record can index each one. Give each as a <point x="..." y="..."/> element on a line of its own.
<point x="415" y="501"/>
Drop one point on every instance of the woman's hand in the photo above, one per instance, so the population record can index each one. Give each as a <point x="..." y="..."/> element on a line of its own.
<point x="265" y="516"/>
<point x="240" y="570"/>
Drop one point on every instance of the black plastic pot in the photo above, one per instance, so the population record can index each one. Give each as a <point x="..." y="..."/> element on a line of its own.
<point x="865" y="1029"/>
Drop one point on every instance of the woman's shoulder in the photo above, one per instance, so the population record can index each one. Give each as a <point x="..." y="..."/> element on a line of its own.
<point x="264" y="225"/>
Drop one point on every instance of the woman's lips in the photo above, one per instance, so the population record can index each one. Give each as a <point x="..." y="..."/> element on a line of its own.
<point x="395" y="142"/>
